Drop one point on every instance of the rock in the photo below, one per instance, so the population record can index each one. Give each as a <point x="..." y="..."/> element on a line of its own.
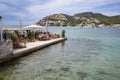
<point x="48" y="70"/>
<point x="1" y="78"/>
<point x="81" y="74"/>
<point x="6" y="49"/>
<point x="65" y="69"/>
<point x="21" y="45"/>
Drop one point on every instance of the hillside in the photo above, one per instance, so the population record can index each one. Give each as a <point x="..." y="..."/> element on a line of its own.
<point x="57" y="20"/>
<point x="82" y="19"/>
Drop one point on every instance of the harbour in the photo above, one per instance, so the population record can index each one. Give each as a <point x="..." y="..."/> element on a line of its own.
<point x="59" y="40"/>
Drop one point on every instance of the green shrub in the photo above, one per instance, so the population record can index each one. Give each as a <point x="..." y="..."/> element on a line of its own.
<point x="31" y="35"/>
<point x="14" y="37"/>
<point x="63" y="33"/>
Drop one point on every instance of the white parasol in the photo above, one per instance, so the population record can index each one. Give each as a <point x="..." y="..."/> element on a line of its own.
<point x="33" y="27"/>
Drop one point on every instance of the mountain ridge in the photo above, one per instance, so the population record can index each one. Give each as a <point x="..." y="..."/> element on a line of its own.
<point x="89" y="19"/>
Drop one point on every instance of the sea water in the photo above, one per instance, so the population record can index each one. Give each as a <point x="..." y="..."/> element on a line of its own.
<point x="87" y="54"/>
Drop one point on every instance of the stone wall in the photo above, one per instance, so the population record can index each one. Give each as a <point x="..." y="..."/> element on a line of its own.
<point x="6" y="49"/>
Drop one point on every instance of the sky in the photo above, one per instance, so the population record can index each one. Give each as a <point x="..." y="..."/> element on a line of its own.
<point x="31" y="11"/>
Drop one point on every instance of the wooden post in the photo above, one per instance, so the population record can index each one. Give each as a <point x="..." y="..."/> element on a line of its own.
<point x="1" y="27"/>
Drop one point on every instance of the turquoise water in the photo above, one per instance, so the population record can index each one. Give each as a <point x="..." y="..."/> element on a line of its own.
<point x="88" y="54"/>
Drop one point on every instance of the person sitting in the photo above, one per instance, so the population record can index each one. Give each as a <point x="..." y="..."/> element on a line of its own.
<point x="40" y="37"/>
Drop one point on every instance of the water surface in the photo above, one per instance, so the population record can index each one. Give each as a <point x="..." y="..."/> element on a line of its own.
<point x="88" y="54"/>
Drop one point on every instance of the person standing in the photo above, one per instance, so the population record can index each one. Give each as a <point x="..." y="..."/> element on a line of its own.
<point x="25" y="34"/>
<point x="5" y="36"/>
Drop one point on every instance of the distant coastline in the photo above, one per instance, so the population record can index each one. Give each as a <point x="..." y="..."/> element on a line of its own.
<point x="87" y="19"/>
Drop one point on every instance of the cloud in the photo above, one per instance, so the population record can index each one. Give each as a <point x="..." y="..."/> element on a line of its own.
<point x="65" y="6"/>
<point x="3" y="7"/>
<point x="109" y="9"/>
<point x="33" y="10"/>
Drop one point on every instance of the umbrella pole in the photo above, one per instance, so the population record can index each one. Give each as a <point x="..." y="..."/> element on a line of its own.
<point x="21" y="29"/>
<point x="46" y="26"/>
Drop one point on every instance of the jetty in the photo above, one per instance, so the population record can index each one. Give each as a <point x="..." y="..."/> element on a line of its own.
<point x="31" y="47"/>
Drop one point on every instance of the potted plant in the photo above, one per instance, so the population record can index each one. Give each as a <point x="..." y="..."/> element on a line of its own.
<point x="63" y="33"/>
<point x="9" y="35"/>
<point x="15" y="39"/>
<point x="36" y="34"/>
<point x="31" y="36"/>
